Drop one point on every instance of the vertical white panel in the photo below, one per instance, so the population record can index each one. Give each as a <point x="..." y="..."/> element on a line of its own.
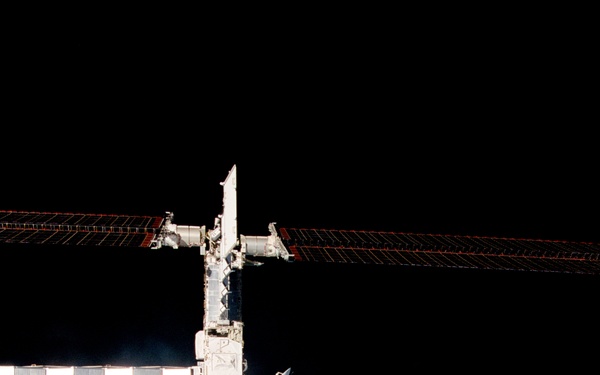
<point x="7" y="370"/>
<point x="177" y="371"/>
<point x="118" y="371"/>
<point x="199" y="342"/>
<point x="60" y="371"/>
<point x="229" y="219"/>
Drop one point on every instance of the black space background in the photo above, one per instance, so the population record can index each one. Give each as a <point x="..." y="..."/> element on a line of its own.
<point x="399" y="121"/>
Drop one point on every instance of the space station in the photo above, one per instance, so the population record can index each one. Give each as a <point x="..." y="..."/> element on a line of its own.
<point x="219" y="346"/>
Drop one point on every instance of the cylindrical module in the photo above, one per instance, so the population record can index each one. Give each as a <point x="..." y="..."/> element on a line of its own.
<point x="259" y="246"/>
<point x="190" y="235"/>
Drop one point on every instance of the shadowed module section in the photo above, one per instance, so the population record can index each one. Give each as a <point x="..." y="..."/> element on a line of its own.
<point x="450" y="251"/>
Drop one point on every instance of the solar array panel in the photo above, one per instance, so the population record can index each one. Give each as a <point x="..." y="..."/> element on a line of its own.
<point x="320" y="245"/>
<point x="345" y="246"/>
<point x="52" y="228"/>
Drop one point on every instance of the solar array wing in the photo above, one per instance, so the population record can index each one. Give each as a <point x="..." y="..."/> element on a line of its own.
<point x="408" y="249"/>
<point x="53" y="228"/>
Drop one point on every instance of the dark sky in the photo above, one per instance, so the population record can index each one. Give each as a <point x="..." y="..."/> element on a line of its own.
<point x="378" y="127"/>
